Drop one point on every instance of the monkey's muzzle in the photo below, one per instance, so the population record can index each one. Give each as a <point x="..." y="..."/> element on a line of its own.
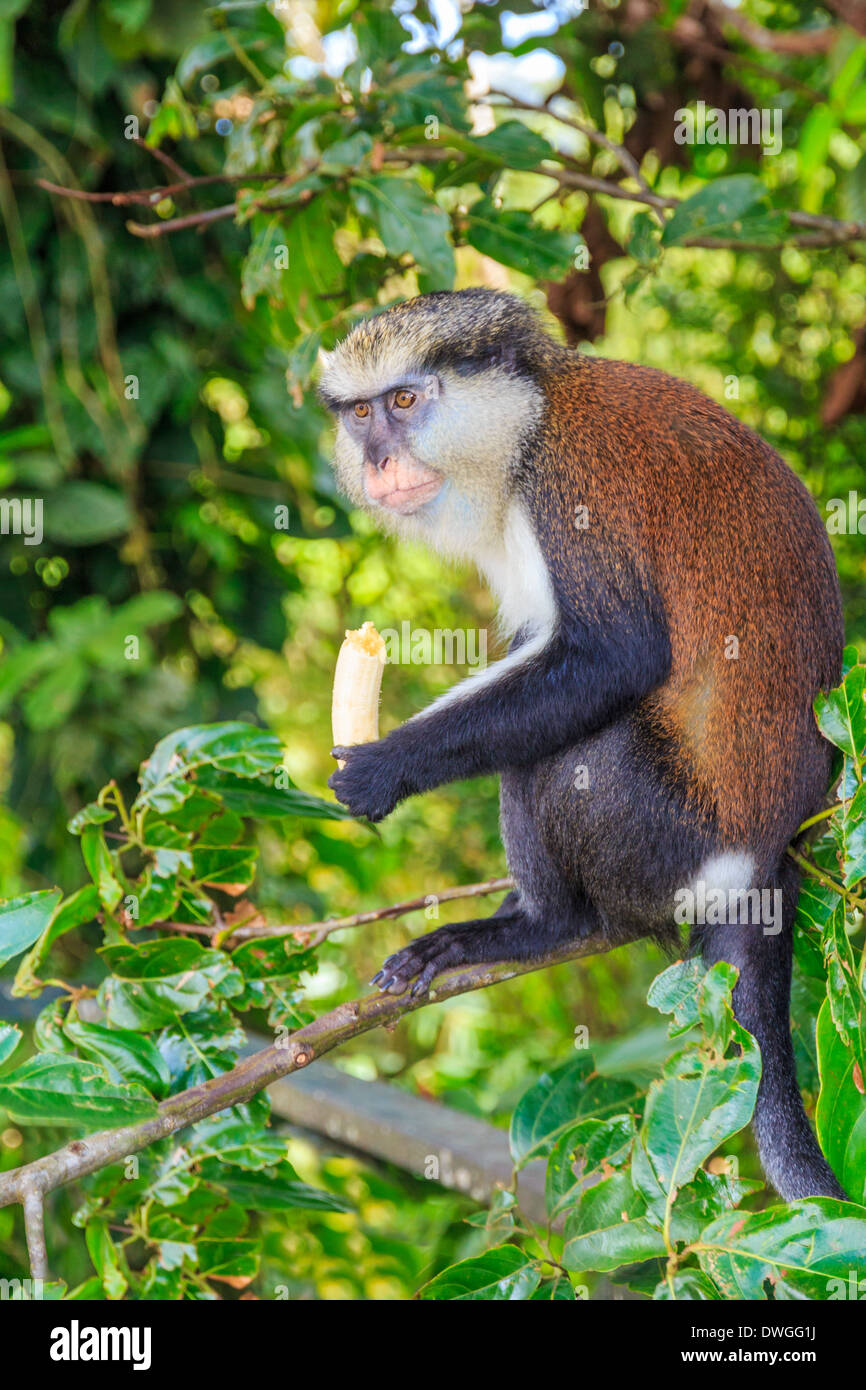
<point x="401" y="485"/>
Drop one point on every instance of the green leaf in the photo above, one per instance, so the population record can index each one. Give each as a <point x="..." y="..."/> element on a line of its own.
<point x="690" y="1285"/>
<point x="228" y="1259"/>
<point x="558" y="1101"/>
<point x="23" y="919"/>
<point x="92" y="814"/>
<point x="202" y="56"/>
<point x="152" y="984"/>
<point x="844" y="991"/>
<point x="608" y="1228"/>
<point x="707" y="1196"/>
<point x="57" y="694"/>
<point x="841" y="713"/>
<point x="846" y="79"/>
<point x="101" y="866"/>
<point x="55" y="1089"/>
<point x="10" y="1037"/>
<point x="502" y="1274"/>
<point x="849" y="826"/>
<point x="408" y="220"/>
<point x="733" y="207"/>
<point x="840" y="1115"/>
<point x="85" y="513"/>
<point x="315" y="271"/>
<point x="20" y="665"/>
<point x="237" y="1144"/>
<point x="82" y="906"/>
<point x="262" y="271"/>
<point x="231" y="869"/>
<point x="127" y="1056"/>
<point x="236" y="748"/>
<point x="131" y="15"/>
<point x="702" y="1098"/>
<point x="815" y="136"/>
<point x="599" y="1144"/>
<point x="808" y="1249"/>
<point x="106" y="1260"/>
<point x="262" y="799"/>
<point x="513" y="144"/>
<point x="512" y="237"/>
<point x="675" y="991"/>
<point x="274" y="958"/>
<point x="158" y="894"/>
<point x="854" y="192"/>
<point x="279" y="1190"/>
<point x="343" y="155"/>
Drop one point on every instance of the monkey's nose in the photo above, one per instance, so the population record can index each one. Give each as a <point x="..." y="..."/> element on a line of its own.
<point x="383" y="463"/>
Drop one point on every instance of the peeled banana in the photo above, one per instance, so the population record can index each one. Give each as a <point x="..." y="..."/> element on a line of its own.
<point x="357" y="681"/>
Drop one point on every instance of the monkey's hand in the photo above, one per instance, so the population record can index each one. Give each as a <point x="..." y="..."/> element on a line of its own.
<point x="368" y="783"/>
<point x="463" y="943"/>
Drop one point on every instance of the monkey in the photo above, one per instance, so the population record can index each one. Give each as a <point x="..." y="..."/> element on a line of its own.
<point x="673" y="608"/>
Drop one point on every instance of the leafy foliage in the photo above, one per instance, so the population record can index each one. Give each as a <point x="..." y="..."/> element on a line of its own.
<point x="633" y="1190"/>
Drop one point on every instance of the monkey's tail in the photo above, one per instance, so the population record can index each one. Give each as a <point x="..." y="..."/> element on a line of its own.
<point x="790" y="1156"/>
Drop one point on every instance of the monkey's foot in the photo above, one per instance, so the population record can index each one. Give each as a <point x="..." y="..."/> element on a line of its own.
<point x="422" y="960"/>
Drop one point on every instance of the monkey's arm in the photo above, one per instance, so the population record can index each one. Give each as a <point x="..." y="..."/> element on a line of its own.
<point x="536" y="701"/>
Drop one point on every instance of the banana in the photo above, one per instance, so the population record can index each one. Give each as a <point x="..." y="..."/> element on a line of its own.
<point x="357" y="681"/>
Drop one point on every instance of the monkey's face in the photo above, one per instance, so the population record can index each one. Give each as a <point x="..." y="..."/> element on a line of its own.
<point x="431" y="455"/>
<point x="383" y="432"/>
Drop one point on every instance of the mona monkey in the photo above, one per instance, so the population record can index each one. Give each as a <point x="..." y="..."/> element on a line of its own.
<point x="674" y="608"/>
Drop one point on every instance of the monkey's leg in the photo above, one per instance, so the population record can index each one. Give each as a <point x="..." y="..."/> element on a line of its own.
<point x="789" y="1152"/>
<point x="512" y="932"/>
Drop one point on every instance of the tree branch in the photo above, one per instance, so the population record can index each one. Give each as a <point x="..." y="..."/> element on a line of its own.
<point x="826" y="231"/>
<point x="790" y="41"/>
<point x="34" y="1226"/>
<point x="314" y="933"/>
<point x="30" y="1183"/>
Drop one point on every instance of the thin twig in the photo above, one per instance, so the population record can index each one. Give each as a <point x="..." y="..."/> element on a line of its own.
<point x="314" y="933"/>
<point x="789" y="41"/>
<point x="163" y="158"/>
<point x="150" y="196"/>
<point x="827" y="881"/>
<point x="626" y="161"/>
<point x="179" y="224"/>
<point x="826" y="231"/>
<point x="689" y="34"/>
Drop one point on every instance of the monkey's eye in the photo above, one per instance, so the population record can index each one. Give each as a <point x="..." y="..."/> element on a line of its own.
<point x="404" y="399"/>
<point x="362" y="410"/>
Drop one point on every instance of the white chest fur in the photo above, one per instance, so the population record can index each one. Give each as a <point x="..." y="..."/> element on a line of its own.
<point x="516" y="572"/>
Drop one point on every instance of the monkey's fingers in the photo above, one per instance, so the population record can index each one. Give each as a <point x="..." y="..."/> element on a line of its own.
<point x="422" y="960"/>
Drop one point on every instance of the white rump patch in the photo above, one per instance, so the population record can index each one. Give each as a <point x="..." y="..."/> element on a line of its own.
<point x="723" y="894"/>
<point x="726" y="873"/>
